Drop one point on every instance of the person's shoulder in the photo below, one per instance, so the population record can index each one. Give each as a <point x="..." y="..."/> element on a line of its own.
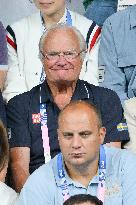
<point x="81" y="17"/>
<point x="7" y="191"/>
<point x="117" y="17"/>
<point x="130" y="103"/>
<point x="44" y="175"/>
<point x="25" y="97"/>
<point x="130" y="106"/>
<point x="25" y="21"/>
<point x="85" y="22"/>
<point x="101" y="91"/>
<point x="120" y="157"/>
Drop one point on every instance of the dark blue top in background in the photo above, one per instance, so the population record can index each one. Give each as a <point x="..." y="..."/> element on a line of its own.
<point x="100" y="10"/>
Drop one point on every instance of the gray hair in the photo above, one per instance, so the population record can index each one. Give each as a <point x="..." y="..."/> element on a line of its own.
<point x="62" y="26"/>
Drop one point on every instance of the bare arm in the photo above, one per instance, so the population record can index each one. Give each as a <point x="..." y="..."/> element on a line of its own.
<point x="20" y="158"/>
<point x="3" y="173"/>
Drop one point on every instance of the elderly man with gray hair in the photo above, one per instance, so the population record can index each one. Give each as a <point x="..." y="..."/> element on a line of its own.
<point x="32" y="116"/>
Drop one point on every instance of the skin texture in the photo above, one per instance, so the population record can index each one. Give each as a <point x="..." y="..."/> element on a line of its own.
<point x="20" y="158"/>
<point x="62" y="74"/>
<point x="52" y="10"/>
<point x="62" y="70"/>
<point x="80" y="138"/>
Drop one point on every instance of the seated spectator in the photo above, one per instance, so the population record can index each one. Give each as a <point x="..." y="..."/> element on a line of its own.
<point x="100" y="10"/>
<point x="25" y="68"/>
<point x="130" y="115"/>
<point x="7" y="195"/>
<point x="84" y="165"/>
<point x="32" y="116"/>
<point x="3" y="56"/>
<point x="83" y="199"/>
<point x="117" y="59"/>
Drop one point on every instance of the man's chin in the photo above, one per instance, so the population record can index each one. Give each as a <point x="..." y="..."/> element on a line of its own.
<point x="66" y="82"/>
<point x="77" y="162"/>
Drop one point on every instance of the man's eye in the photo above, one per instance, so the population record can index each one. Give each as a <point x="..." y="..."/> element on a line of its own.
<point x="85" y="134"/>
<point x="67" y="135"/>
<point x="69" y="53"/>
<point x="52" y="54"/>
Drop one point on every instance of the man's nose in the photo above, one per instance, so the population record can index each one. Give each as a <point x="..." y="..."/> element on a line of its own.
<point x="62" y="58"/>
<point x="76" y="142"/>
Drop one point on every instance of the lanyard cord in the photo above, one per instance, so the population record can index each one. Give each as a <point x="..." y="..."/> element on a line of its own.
<point x="44" y="127"/>
<point x="102" y="174"/>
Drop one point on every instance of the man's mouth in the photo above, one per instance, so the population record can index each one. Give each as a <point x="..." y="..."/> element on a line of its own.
<point x="77" y="155"/>
<point x="60" y="68"/>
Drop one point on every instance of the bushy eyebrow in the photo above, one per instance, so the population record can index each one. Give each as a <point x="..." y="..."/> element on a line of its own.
<point x="82" y="133"/>
<point x="86" y="132"/>
<point x="67" y="134"/>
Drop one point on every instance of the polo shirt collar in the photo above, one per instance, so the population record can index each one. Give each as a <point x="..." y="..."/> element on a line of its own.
<point x="45" y="93"/>
<point x="132" y="16"/>
<point x="80" y="93"/>
<point x="95" y="179"/>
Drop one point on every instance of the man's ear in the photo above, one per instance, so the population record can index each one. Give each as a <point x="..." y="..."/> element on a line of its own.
<point x="102" y="133"/>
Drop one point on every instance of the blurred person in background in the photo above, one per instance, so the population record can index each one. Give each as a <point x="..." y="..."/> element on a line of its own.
<point x="99" y="10"/>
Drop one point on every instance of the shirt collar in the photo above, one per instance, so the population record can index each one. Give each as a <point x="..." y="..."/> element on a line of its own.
<point x="95" y="179"/>
<point x="45" y="93"/>
<point x="80" y="93"/>
<point x="132" y="16"/>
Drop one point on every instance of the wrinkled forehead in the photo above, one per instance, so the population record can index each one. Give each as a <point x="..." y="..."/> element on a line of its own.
<point x="61" y="36"/>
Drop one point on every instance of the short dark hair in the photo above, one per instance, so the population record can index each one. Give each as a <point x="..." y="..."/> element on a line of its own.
<point x="82" y="198"/>
<point x="4" y="147"/>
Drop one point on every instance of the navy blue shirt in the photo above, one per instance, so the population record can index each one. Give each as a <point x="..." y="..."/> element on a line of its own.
<point x="2" y="111"/>
<point x="99" y="10"/>
<point x="26" y="133"/>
